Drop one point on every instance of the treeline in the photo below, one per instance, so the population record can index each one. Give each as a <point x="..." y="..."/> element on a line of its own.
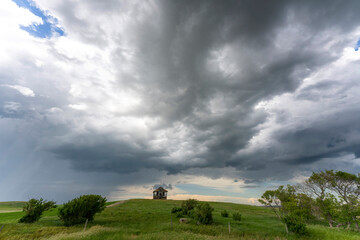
<point x="329" y="195"/>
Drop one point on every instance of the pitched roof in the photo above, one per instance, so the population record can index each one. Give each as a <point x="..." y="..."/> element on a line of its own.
<point x="160" y="189"/>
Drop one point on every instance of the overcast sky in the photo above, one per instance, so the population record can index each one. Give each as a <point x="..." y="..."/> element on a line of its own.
<point x="216" y="100"/>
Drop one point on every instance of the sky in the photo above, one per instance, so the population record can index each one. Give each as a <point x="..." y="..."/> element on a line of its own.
<point x="214" y="100"/>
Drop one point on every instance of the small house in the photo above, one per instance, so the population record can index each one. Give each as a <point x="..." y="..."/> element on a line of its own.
<point x="160" y="193"/>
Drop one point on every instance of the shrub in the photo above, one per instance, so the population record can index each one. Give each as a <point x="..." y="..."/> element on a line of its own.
<point x="237" y="216"/>
<point x="188" y="205"/>
<point x="295" y="225"/>
<point x="191" y="213"/>
<point x="179" y="215"/>
<point x="176" y="209"/>
<point x="34" y="208"/>
<point x="203" y="213"/>
<point x="224" y="213"/>
<point x="79" y="209"/>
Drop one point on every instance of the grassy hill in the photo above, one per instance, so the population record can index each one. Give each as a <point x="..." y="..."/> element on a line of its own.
<point x="11" y="206"/>
<point x="151" y="219"/>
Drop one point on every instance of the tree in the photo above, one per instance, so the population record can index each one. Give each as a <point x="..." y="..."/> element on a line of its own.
<point x="347" y="185"/>
<point x="203" y="213"/>
<point x="278" y="200"/>
<point x="318" y="186"/>
<point x="79" y="209"/>
<point x="289" y="207"/>
<point x="336" y="196"/>
<point x="188" y="205"/>
<point x="34" y="208"/>
<point x="331" y="194"/>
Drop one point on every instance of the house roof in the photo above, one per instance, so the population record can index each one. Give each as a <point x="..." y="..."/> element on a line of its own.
<point x="160" y="189"/>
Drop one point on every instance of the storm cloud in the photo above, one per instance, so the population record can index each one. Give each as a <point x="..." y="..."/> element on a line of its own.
<point x="266" y="88"/>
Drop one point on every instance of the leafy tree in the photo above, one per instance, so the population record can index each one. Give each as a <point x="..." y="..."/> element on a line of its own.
<point x="188" y="205"/>
<point x="347" y="185"/>
<point x="330" y="208"/>
<point x="288" y="206"/>
<point x="317" y="186"/>
<point x="203" y="213"/>
<point x="307" y="204"/>
<point x="270" y="199"/>
<point x="295" y="225"/>
<point x="334" y="195"/>
<point x="34" y="208"/>
<point x="79" y="209"/>
<point x="278" y="200"/>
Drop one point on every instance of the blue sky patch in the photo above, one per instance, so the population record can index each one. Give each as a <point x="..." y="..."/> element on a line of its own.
<point x="357" y="46"/>
<point x="45" y="30"/>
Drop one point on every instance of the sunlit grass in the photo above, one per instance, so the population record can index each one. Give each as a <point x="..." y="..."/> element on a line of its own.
<point x="151" y="219"/>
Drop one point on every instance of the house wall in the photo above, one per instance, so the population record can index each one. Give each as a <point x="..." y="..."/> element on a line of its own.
<point x="159" y="195"/>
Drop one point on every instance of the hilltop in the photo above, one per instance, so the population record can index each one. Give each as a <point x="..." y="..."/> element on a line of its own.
<point x="151" y="219"/>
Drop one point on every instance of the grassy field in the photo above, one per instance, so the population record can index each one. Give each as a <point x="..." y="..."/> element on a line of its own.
<point x="11" y="206"/>
<point x="151" y="219"/>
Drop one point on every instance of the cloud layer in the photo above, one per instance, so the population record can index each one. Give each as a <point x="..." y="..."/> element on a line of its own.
<point x="251" y="91"/>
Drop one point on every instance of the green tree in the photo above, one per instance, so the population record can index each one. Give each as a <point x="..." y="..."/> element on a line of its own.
<point x="34" y="208"/>
<point x="279" y="200"/>
<point x="336" y="196"/>
<point x="347" y="186"/>
<point x="188" y="205"/>
<point x="203" y="213"/>
<point x="317" y="186"/>
<point x="79" y="209"/>
<point x="288" y="207"/>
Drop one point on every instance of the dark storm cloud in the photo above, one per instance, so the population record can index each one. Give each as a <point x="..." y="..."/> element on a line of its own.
<point x="101" y="153"/>
<point x="198" y="69"/>
<point x="174" y="50"/>
<point x="331" y="138"/>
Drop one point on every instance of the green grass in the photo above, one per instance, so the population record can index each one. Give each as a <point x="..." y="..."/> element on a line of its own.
<point x="151" y="219"/>
<point x="11" y="206"/>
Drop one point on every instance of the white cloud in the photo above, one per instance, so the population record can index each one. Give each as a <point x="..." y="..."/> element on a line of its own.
<point x="23" y="90"/>
<point x="78" y="106"/>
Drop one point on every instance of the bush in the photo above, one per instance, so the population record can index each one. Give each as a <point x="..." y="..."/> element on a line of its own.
<point x="79" y="209"/>
<point x="191" y="213"/>
<point x="203" y="213"/>
<point x="295" y="225"/>
<point x="179" y="215"/>
<point x="237" y="216"/>
<point x="34" y="208"/>
<point x="176" y="209"/>
<point x="224" y="213"/>
<point x="188" y="205"/>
